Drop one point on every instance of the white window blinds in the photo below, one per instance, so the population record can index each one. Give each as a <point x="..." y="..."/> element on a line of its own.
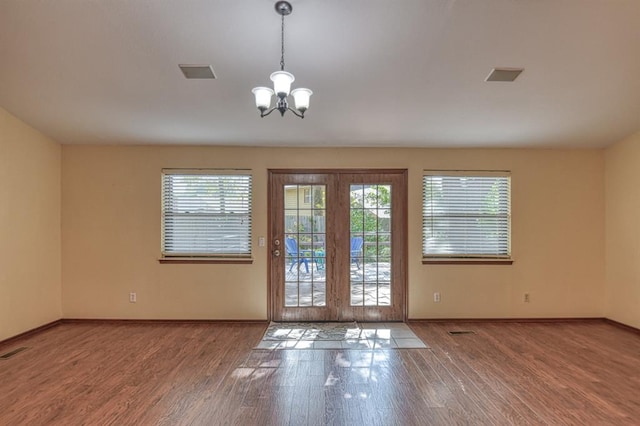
<point x="206" y="213"/>
<point x="466" y="214"/>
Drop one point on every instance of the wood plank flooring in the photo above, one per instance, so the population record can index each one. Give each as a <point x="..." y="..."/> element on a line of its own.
<point x="207" y="374"/>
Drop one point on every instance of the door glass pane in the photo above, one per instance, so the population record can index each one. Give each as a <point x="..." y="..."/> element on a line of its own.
<point x="304" y="254"/>
<point x="370" y="245"/>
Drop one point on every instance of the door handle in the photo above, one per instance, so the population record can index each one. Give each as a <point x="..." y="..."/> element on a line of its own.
<point x="276" y="253"/>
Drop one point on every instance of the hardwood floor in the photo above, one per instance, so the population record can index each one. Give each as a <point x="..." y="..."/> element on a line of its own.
<point x="207" y="374"/>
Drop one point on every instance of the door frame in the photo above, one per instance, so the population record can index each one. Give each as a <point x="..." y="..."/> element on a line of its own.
<point x="403" y="246"/>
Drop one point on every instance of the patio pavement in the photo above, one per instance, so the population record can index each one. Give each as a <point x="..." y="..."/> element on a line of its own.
<point x="370" y="285"/>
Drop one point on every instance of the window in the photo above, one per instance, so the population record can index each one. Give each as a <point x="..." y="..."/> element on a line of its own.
<point x="466" y="215"/>
<point x="206" y="213"/>
<point x="307" y="196"/>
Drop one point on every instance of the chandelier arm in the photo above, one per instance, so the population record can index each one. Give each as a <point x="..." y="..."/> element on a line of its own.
<point x="301" y="115"/>
<point x="264" y="114"/>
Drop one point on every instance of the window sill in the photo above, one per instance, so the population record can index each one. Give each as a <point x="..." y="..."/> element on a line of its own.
<point x="206" y="260"/>
<point x="463" y="261"/>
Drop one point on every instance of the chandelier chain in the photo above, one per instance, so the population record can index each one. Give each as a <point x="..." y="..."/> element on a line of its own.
<point x="282" y="45"/>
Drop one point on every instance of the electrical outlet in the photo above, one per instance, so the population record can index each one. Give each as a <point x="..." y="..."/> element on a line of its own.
<point x="436" y="297"/>
<point x="133" y="298"/>
<point x="527" y="298"/>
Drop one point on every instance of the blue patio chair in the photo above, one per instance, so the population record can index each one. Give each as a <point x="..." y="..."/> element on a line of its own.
<point x="356" y="250"/>
<point x="296" y="257"/>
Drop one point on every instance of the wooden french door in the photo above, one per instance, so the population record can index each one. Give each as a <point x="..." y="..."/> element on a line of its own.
<point x="338" y="245"/>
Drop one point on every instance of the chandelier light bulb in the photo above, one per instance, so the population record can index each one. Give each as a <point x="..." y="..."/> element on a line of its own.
<point x="263" y="97"/>
<point x="301" y="97"/>
<point x="282" y="83"/>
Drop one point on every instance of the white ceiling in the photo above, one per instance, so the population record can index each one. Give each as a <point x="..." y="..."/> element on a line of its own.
<point x="384" y="73"/>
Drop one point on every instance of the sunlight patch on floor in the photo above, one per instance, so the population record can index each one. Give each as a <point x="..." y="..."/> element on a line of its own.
<point x="353" y="336"/>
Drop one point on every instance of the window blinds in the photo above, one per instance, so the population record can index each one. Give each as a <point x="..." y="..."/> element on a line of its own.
<point x="206" y="213"/>
<point x="466" y="215"/>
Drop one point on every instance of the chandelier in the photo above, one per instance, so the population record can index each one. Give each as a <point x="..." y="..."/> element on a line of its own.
<point x="282" y="82"/>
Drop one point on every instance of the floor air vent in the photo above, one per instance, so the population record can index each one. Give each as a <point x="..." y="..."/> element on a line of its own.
<point x="12" y="353"/>
<point x="455" y="333"/>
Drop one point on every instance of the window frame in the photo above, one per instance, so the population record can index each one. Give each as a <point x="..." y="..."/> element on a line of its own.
<point x="195" y="256"/>
<point x="467" y="258"/>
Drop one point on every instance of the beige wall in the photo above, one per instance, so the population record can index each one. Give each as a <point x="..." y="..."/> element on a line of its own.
<point x="622" y="189"/>
<point x="30" y="258"/>
<point x="111" y="234"/>
<point x="111" y="222"/>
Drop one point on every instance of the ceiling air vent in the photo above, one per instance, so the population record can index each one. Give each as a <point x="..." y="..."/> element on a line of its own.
<point x="197" y="71"/>
<point x="504" y="74"/>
